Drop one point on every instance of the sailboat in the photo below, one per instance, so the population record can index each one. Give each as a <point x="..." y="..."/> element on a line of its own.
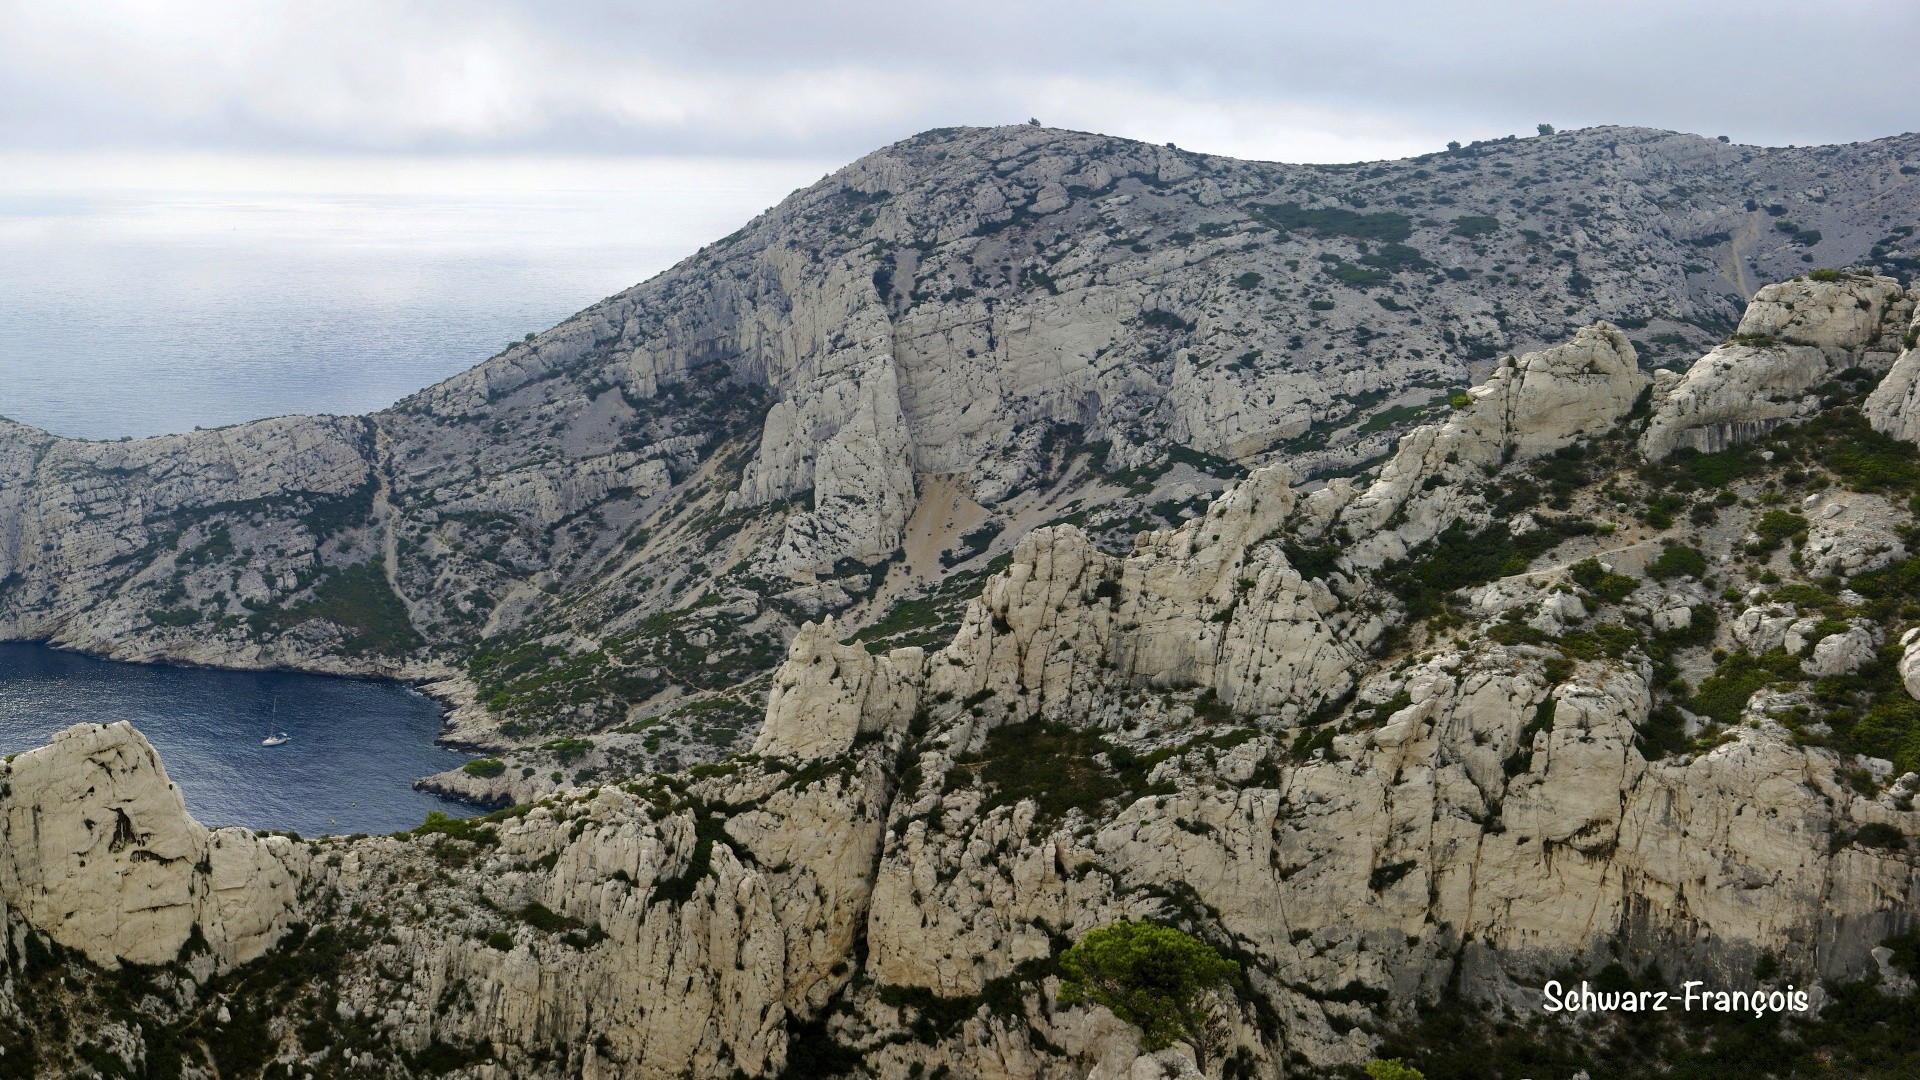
<point x="274" y="736"/>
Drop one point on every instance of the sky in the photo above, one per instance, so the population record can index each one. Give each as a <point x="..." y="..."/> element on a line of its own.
<point x="253" y="207"/>
<point x="832" y="79"/>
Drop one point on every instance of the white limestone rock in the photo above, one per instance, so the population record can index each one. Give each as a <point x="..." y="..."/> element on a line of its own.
<point x="1851" y="532"/>
<point x="1213" y="603"/>
<point x="1528" y="407"/>
<point x="1844" y="653"/>
<point x="1894" y="405"/>
<point x="1910" y="662"/>
<point x="1764" y="627"/>
<point x="828" y="694"/>
<point x="1794" y="336"/>
<point x="101" y="854"/>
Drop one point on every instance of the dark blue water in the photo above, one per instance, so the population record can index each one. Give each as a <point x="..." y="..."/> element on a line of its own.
<point x="357" y="744"/>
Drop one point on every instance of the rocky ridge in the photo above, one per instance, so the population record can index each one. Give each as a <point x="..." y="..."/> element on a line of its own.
<point x="1585" y="709"/>
<point x="614" y="528"/>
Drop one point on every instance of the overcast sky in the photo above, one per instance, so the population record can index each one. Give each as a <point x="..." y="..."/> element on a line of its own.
<point x="831" y="80"/>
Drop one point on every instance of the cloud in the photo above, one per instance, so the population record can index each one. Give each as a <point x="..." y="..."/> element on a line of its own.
<point x="834" y="78"/>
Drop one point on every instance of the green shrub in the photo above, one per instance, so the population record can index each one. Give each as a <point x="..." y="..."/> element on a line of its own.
<point x="1337" y="221"/>
<point x="1169" y="984"/>
<point x="1724" y="694"/>
<point x="1394" y="1068"/>
<point x="472" y="830"/>
<point x="1459" y="558"/>
<point x="500" y="940"/>
<point x="1475" y="225"/>
<point x="1878" y="834"/>
<point x="358" y="600"/>
<point x="1601" y="639"/>
<point x="486" y="768"/>
<point x="1602" y="583"/>
<point x="1055" y="766"/>
<point x="1678" y="560"/>
<point x="568" y="750"/>
<point x="1774" y="527"/>
<point x="543" y="919"/>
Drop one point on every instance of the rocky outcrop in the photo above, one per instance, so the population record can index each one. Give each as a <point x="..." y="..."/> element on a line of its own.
<point x="1851" y="532"/>
<point x="1217" y="725"/>
<point x="101" y="854"/>
<point x="828" y="694"/>
<point x="1894" y="405"/>
<point x="1213" y="604"/>
<point x="1528" y="407"/>
<point x="1038" y="313"/>
<point x="1910" y="662"/>
<point x="1794" y="336"/>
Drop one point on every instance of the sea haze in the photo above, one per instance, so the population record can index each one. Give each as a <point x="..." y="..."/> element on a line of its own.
<point x="140" y="296"/>
<point x="357" y="745"/>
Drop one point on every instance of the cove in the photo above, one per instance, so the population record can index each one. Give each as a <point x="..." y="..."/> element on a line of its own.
<point x="357" y="746"/>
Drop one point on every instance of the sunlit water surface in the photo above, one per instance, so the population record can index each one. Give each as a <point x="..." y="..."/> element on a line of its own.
<point x="158" y="294"/>
<point x="144" y="296"/>
<point x="357" y="745"/>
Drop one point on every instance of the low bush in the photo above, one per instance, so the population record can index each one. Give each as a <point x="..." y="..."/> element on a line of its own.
<point x="1678" y="560"/>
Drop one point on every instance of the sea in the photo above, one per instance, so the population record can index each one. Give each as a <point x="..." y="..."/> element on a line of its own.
<point x="156" y="293"/>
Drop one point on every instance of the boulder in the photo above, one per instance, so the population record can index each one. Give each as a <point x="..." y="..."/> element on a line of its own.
<point x="101" y="853"/>
<point x="1794" y="336"/>
<point x="1910" y="662"/>
<point x="1894" y="405"/>
<point x="1844" y="653"/>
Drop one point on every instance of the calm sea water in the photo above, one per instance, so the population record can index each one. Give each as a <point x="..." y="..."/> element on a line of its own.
<point x="357" y="744"/>
<point x="145" y="297"/>
<point x="148" y="295"/>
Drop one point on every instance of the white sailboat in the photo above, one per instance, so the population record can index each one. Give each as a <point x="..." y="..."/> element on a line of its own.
<point x="274" y="736"/>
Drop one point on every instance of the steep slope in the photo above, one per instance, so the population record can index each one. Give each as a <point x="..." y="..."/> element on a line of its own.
<point x="1528" y="706"/>
<point x="616" y="525"/>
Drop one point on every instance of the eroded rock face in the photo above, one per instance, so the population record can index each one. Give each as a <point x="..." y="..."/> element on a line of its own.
<point x="1530" y="406"/>
<point x="1910" y="662"/>
<point x="1851" y="532"/>
<point x="1794" y="336"/>
<point x="1894" y="405"/>
<point x="828" y="694"/>
<point x="101" y="854"/>
<point x="1213" y="603"/>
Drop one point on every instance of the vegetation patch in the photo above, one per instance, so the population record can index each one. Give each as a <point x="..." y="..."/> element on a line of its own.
<point x="1169" y="984"/>
<point x="1461" y="557"/>
<point x="358" y="600"/>
<point x="1054" y="765"/>
<point x="1335" y="221"/>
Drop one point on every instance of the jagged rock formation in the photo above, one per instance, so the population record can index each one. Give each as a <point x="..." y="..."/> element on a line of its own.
<point x="1528" y="407"/>
<point x="1057" y="325"/>
<point x="1894" y="405"/>
<point x="100" y="853"/>
<point x="1794" y="336"/>
<point x="1373" y="782"/>
<point x="1910" y="662"/>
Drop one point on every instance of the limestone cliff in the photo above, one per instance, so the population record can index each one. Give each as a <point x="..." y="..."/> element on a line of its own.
<point x="1794" y="336"/>
<point x="100" y="853"/>
<point x="1581" y="709"/>
<point x="615" y="527"/>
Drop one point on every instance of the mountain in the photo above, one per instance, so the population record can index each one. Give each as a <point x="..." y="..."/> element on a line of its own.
<point x="862" y="400"/>
<point x="1606" y="678"/>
